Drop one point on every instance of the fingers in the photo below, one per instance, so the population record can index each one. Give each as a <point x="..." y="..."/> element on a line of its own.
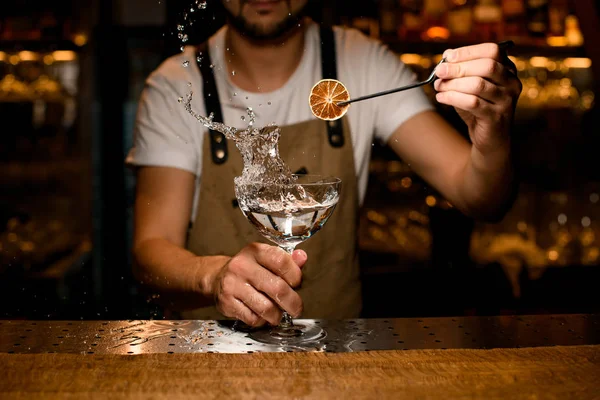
<point x="468" y="102"/>
<point x="277" y="290"/>
<point x="473" y="85"/>
<point x="235" y="308"/>
<point x="469" y="53"/>
<point x="249" y="276"/>
<point x="278" y="262"/>
<point x="299" y="257"/>
<point x="487" y="68"/>
<point x="260" y="304"/>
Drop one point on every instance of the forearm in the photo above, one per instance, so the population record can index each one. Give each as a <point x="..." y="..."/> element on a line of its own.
<point x="488" y="183"/>
<point x="179" y="279"/>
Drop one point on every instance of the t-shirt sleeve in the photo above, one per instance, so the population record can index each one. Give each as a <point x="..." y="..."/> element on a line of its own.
<point x="162" y="135"/>
<point x="386" y="71"/>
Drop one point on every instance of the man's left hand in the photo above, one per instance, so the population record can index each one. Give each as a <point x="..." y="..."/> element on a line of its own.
<point x="481" y="83"/>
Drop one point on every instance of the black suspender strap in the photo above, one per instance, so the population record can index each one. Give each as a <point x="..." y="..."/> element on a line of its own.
<point x="329" y="68"/>
<point x="218" y="143"/>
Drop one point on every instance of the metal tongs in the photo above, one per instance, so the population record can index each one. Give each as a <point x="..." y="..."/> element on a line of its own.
<point x="502" y="45"/>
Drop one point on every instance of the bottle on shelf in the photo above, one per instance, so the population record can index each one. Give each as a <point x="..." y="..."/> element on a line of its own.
<point x="557" y="15"/>
<point x="460" y="19"/>
<point x="412" y="21"/>
<point x="435" y="18"/>
<point x="572" y="31"/>
<point x="515" y="19"/>
<point x="537" y="18"/>
<point x="487" y="16"/>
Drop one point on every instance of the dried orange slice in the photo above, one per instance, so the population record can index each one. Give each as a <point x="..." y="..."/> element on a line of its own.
<point x="324" y="97"/>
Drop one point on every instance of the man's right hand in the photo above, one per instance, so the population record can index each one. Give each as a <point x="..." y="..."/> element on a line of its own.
<point x="256" y="285"/>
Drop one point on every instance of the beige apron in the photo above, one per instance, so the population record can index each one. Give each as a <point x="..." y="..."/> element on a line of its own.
<point x="330" y="279"/>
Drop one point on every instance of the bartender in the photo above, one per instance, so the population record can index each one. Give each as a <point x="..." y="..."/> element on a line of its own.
<point x="194" y="249"/>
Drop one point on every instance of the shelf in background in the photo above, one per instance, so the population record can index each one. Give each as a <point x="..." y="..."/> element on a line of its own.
<point x="520" y="49"/>
<point x="38" y="45"/>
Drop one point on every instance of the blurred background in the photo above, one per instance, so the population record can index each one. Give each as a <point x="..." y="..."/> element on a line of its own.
<point x="70" y="77"/>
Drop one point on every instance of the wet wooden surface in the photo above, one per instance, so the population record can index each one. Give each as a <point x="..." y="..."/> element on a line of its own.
<point x="557" y="372"/>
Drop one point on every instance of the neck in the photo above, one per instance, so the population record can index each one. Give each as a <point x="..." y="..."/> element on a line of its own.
<point x="263" y="66"/>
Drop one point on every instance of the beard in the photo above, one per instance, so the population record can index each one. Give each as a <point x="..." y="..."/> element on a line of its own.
<point x="269" y="33"/>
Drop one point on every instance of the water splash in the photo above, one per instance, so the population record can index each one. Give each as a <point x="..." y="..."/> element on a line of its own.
<point x="258" y="147"/>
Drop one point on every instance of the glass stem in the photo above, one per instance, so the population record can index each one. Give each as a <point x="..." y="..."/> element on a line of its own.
<point x="286" y="319"/>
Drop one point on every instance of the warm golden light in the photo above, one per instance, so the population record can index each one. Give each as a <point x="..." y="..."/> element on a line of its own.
<point x="406" y="182"/>
<point x="578" y="62"/>
<point x="438" y="32"/>
<point x="431" y="201"/>
<point x="64" y="55"/>
<point x="410" y="58"/>
<point x="48" y="59"/>
<point x="538" y="62"/>
<point x="80" y="39"/>
<point x="377" y="217"/>
<point x="28" y="56"/>
<point x="557" y="41"/>
<point x="2" y="56"/>
<point x="14" y="59"/>
<point x="553" y="255"/>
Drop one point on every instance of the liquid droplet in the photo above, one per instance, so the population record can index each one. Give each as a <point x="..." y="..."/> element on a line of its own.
<point x="198" y="59"/>
<point x="180" y="28"/>
<point x="186" y="63"/>
<point x="243" y="117"/>
<point x="233" y="73"/>
<point x="269" y="103"/>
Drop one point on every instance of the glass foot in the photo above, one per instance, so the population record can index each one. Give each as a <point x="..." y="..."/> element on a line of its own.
<point x="296" y="333"/>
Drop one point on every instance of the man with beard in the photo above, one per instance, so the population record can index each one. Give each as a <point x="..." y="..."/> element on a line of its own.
<point x="192" y="245"/>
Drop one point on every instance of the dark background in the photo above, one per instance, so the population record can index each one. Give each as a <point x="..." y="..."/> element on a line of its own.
<point x="90" y="277"/>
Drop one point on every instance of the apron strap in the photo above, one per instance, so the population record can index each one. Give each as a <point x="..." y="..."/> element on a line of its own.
<point x="218" y="143"/>
<point x="329" y="68"/>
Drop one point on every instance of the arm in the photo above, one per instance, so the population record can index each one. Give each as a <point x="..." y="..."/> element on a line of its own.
<point x="478" y="178"/>
<point x="162" y="211"/>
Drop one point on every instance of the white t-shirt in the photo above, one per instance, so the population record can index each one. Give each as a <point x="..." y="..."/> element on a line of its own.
<point x="166" y="135"/>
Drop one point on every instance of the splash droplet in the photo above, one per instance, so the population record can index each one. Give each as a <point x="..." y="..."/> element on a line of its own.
<point x="186" y="63"/>
<point x="269" y="103"/>
<point x="233" y="73"/>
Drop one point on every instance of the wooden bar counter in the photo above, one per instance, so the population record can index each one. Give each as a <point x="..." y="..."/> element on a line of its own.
<point x="514" y="357"/>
